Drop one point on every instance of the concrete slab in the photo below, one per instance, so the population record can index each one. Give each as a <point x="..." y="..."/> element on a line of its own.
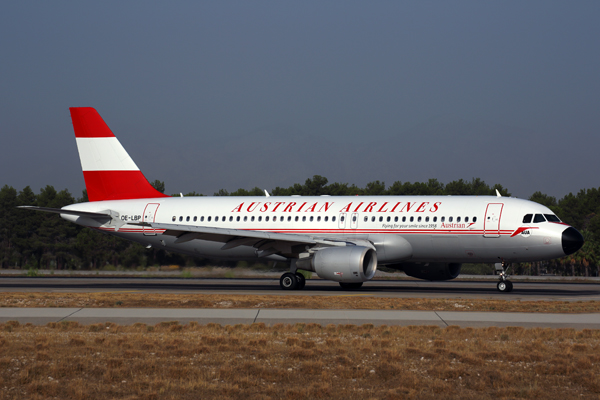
<point x="128" y="316"/>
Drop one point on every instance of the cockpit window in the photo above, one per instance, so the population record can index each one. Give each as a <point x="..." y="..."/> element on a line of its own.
<point x="539" y="218"/>
<point x="527" y="218"/>
<point x="552" y="218"/>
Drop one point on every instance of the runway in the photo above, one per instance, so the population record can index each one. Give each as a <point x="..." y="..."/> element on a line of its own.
<point x="476" y="289"/>
<point x="129" y="316"/>
<point x="481" y="289"/>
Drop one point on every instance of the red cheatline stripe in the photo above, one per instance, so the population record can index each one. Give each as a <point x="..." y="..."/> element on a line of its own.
<point x="522" y="229"/>
<point x="130" y="230"/>
<point x="88" y="123"/>
<point x="336" y="231"/>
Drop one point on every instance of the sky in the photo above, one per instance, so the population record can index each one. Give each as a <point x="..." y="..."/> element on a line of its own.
<point x="209" y="95"/>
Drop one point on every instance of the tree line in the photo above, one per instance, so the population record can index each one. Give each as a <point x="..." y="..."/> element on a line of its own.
<point x="39" y="240"/>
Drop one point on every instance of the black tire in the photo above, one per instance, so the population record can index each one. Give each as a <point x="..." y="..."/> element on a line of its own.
<point x="510" y="286"/>
<point x="503" y="286"/>
<point x="350" y="285"/>
<point x="301" y="281"/>
<point x="288" y="281"/>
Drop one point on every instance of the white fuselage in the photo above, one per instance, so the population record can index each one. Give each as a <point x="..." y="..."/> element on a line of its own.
<point x="439" y="228"/>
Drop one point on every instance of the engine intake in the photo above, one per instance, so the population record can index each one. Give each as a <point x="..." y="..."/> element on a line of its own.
<point x="342" y="264"/>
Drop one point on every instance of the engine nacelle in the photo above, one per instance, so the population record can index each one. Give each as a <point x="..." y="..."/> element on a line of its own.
<point x="342" y="264"/>
<point x="430" y="271"/>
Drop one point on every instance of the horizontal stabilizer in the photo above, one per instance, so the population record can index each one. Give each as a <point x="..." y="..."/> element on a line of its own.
<point x="86" y="214"/>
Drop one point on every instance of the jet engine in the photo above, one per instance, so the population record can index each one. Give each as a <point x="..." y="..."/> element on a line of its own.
<point x="342" y="264"/>
<point x="430" y="271"/>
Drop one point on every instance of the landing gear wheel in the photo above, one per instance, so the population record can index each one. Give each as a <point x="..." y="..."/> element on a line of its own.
<point x="288" y="281"/>
<point x="301" y="281"/>
<point x="503" y="286"/>
<point x="350" y="285"/>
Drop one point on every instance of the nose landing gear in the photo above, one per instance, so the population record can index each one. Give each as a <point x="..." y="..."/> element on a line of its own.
<point x="504" y="285"/>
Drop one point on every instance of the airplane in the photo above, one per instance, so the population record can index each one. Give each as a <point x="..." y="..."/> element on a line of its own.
<point x="340" y="238"/>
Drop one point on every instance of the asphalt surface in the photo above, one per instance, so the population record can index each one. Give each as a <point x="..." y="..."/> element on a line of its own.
<point x="483" y="289"/>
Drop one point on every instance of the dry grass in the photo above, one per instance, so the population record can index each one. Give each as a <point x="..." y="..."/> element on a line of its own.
<point x="354" y="301"/>
<point x="171" y="361"/>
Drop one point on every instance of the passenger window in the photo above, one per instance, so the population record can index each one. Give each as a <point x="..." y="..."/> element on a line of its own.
<point x="466" y="219"/>
<point x="195" y="219"/>
<point x="474" y="219"/>
<point x="457" y="219"/>
<point x="412" y="219"/>
<point x="180" y="219"/>
<point x="296" y="219"/>
<point x="342" y="218"/>
<point x="395" y="219"/>
<point x="353" y="218"/>
<point x="332" y="219"/>
<point x="426" y="219"/>
<point x="319" y="218"/>
<point x="539" y="218"/>
<point x="223" y="219"/>
<point x="202" y="218"/>
<point x="237" y="219"/>
<point x="259" y="218"/>
<point x="373" y="219"/>
<point x="230" y="219"/>
<point x="326" y="219"/>
<point x="389" y="219"/>
<point x="274" y="218"/>
<point x="443" y="219"/>
<point x="208" y="219"/>
<point x="403" y="219"/>
<point x="304" y="219"/>
<point x="216" y="219"/>
<point x="449" y="219"/>
<point x="434" y="219"/>
<point x="551" y="217"/>
<point x="289" y="218"/>
<point x="366" y="219"/>
<point x="267" y="219"/>
<point x="174" y="218"/>
<point x="527" y="218"/>
<point x="419" y="219"/>
<point x="245" y="218"/>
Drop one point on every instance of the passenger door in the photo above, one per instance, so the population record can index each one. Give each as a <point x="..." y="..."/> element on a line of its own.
<point x="148" y="216"/>
<point x="491" y="222"/>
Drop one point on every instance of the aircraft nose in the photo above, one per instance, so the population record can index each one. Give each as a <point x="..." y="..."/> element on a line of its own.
<point x="572" y="240"/>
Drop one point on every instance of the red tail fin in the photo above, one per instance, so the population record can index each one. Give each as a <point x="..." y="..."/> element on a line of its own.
<point x="109" y="172"/>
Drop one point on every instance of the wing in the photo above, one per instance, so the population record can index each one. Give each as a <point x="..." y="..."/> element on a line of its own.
<point x="266" y="243"/>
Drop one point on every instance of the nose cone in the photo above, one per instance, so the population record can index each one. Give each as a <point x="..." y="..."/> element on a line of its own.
<point x="572" y="240"/>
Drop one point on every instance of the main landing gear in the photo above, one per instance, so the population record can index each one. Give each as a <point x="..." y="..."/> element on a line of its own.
<point x="504" y="285"/>
<point x="351" y="285"/>
<point x="292" y="281"/>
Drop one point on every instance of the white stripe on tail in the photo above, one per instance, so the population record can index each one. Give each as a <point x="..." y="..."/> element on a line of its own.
<point x="109" y="172"/>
